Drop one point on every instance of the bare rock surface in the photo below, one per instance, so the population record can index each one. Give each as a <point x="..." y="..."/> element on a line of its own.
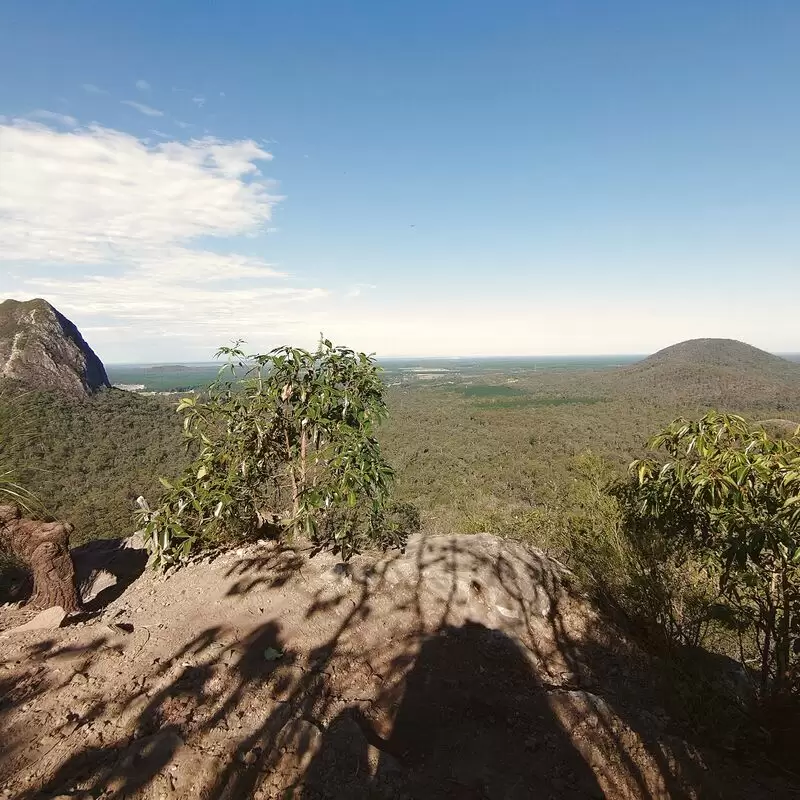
<point x="463" y="667"/>
<point x="42" y="349"/>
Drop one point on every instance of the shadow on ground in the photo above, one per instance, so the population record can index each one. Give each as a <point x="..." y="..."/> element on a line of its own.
<point x="463" y="668"/>
<point x="105" y="568"/>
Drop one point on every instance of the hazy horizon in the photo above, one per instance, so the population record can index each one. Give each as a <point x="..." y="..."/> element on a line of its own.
<point x="554" y="356"/>
<point x="626" y="357"/>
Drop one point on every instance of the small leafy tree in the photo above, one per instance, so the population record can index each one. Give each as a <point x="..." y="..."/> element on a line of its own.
<point x="284" y="440"/>
<point x="730" y="494"/>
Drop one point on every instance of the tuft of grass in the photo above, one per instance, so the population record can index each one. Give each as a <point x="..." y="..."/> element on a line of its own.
<point x="11" y="493"/>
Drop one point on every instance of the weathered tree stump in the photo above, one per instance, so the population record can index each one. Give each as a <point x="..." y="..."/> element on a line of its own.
<point x="44" y="547"/>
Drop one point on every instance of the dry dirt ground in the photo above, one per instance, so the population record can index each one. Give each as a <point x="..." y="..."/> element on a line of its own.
<point x="461" y="668"/>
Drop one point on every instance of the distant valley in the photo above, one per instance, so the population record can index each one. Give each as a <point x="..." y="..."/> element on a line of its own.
<point x="172" y="378"/>
<point x="169" y="378"/>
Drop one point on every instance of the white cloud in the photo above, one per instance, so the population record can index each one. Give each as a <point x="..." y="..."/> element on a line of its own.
<point x="143" y="86"/>
<point x="70" y="197"/>
<point x="106" y="227"/>
<point x="54" y="116"/>
<point x="90" y="88"/>
<point x="199" y="100"/>
<point x="183" y="125"/>
<point x="142" y="108"/>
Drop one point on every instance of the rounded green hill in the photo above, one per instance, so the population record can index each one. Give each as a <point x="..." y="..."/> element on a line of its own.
<point x="724" y="353"/>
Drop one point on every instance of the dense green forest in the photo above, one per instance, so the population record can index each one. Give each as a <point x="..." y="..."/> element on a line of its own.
<point x="88" y="460"/>
<point x="500" y="451"/>
<point x="506" y="457"/>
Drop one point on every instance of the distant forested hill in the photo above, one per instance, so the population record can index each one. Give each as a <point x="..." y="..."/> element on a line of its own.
<point x="722" y="373"/>
<point x="728" y="354"/>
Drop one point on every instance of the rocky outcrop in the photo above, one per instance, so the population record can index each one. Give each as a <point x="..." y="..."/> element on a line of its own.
<point x="41" y="349"/>
<point x="462" y="667"/>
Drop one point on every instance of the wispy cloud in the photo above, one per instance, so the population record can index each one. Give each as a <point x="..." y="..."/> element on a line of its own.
<point x="357" y="289"/>
<point x="54" y="116"/>
<point x="142" y="86"/>
<point x="183" y="125"/>
<point x="116" y="232"/>
<point x="199" y="100"/>
<point x="90" y="88"/>
<point x="142" y="108"/>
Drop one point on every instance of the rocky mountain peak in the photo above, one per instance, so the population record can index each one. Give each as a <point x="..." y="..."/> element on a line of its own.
<point x="41" y="349"/>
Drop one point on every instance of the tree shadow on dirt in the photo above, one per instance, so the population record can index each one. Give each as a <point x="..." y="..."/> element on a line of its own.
<point x="20" y="689"/>
<point x="270" y="569"/>
<point x="464" y="668"/>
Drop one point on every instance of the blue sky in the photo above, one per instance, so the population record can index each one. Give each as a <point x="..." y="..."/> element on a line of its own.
<point x="444" y="178"/>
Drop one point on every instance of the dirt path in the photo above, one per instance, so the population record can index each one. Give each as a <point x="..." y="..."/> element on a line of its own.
<point x="462" y="668"/>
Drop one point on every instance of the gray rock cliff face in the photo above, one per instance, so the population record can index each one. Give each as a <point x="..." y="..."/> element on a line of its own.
<point x="42" y="349"/>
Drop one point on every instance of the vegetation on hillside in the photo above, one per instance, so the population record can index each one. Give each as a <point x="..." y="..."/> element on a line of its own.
<point x="716" y="373"/>
<point x="87" y="460"/>
<point x="468" y="458"/>
<point x="697" y="354"/>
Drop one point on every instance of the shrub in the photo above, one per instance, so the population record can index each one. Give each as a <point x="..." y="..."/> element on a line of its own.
<point x="727" y="496"/>
<point x="289" y="446"/>
<point x="665" y="593"/>
<point x="647" y="577"/>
